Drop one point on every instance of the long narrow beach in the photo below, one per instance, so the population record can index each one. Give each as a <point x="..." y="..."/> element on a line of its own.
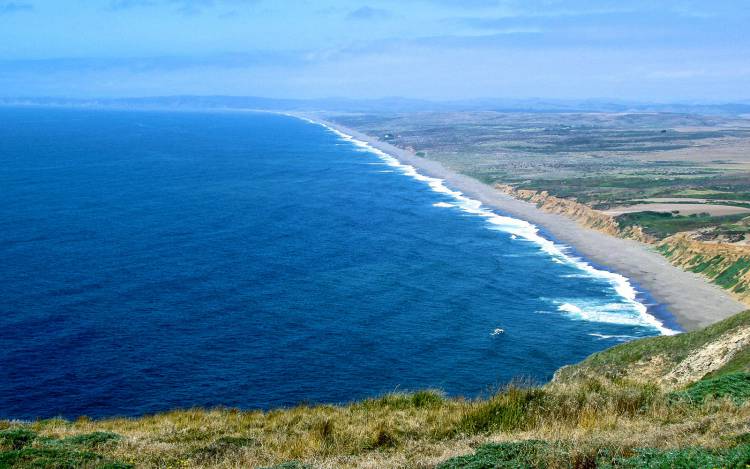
<point x="691" y="299"/>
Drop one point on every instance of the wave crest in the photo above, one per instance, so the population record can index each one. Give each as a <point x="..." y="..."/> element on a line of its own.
<point x="525" y="230"/>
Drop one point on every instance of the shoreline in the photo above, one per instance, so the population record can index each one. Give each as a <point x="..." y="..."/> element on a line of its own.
<point x="689" y="299"/>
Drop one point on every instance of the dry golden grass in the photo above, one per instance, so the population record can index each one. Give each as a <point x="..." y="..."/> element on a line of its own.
<point x="604" y="405"/>
<point x="418" y="430"/>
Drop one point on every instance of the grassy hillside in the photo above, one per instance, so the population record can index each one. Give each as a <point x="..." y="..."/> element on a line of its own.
<point x="726" y="265"/>
<point x="618" y="408"/>
<point x="653" y="359"/>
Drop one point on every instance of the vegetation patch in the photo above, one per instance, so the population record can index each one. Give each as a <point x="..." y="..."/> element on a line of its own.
<point x="735" y="386"/>
<point x="541" y="454"/>
<point x="222" y="447"/>
<point x="23" y="448"/>
<point x="507" y="412"/>
<point x="662" y="225"/>
<point x="615" y="362"/>
<point x="684" y="458"/>
<point x="739" y="363"/>
<point x="729" y="277"/>
<point x="91" y="440"/>
<point x="290" y="465"/>
<point x="521" y="454"/>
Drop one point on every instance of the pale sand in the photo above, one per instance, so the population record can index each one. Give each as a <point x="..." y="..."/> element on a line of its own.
<point x="690" y="298"/>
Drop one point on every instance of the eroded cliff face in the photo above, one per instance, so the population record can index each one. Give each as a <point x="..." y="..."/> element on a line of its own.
<point x="725" y="264"/>
<point x="584" y="214"/>
<point x="671" y="362"/>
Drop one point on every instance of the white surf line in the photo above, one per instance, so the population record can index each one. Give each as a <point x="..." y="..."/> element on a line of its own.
<point x="519" y="228"/>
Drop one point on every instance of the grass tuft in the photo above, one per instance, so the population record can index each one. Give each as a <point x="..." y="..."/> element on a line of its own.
<point x="91" y="440"/>
<point x="506" y="412"/>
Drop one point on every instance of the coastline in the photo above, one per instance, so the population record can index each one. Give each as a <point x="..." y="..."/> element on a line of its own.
<point x="692" y="300"/>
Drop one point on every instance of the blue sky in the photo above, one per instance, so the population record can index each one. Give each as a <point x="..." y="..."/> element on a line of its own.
<point x="665" y="50"/>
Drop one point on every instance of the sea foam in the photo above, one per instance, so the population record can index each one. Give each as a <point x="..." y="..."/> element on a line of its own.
<point x="619" y="338"/>
<point x="631" y="312"/>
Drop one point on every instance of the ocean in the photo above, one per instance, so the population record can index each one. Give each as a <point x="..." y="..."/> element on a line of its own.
<point x="159" y="260"/>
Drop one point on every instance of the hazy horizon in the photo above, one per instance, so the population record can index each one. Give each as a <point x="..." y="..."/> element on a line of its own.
<point x="437" y="50"/>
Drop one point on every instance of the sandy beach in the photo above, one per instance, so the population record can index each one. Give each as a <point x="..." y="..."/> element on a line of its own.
<point x="691" y="299"/>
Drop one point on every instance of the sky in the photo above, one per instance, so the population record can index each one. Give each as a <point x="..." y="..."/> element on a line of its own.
<point x="657" y="51"/>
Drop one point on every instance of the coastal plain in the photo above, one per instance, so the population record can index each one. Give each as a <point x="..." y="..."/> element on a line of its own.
<point x="603" y="160"/>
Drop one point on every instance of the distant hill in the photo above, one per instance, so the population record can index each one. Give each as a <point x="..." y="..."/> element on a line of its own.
<point x="391" y="104"/>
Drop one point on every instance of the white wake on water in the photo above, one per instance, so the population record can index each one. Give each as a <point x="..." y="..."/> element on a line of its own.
<point x="619" y="338"/>
<point x="632" y="312"/>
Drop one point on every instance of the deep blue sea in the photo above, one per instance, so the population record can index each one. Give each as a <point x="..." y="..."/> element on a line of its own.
<point x="155" y="260"/>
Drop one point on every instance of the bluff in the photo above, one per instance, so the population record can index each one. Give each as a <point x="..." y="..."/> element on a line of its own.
<point x="726" y="264"/>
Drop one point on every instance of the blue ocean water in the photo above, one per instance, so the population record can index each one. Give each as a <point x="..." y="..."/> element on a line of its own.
<point x="154" y="260"/>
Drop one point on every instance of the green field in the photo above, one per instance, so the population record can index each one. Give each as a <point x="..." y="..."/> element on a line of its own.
<point x="662" y="225"/>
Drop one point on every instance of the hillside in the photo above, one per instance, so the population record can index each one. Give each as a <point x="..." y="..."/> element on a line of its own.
<point x="678" y="401"/>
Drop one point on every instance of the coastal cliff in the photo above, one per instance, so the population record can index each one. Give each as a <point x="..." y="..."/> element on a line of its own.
<point x="582" y="213"/>
<point x="726" y="264"/>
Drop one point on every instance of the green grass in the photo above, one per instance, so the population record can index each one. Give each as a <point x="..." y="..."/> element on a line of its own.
<point x="541" y="454"/>
<point x="508" y="411"/>
<point x="663" y="225"/>
<point x="735" y="386"/>
<point x="740" y="362"/>
<point x="729" y="278"/>
<point x="613" y="361"/>
<point x="684" y="458"/>
<point x="522" y="454"/>
<point x="23" y="448"/>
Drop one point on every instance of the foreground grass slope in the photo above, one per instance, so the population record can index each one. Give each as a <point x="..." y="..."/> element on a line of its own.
<point x="619" y="408"/>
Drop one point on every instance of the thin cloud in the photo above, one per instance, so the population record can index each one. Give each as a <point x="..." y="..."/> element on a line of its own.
<point x="159" y="63"/>
<point x="7" y="8"/>
<point x="368" y="13"/>
<point x="186" y="7"/>
<point x="127" y="4"/>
